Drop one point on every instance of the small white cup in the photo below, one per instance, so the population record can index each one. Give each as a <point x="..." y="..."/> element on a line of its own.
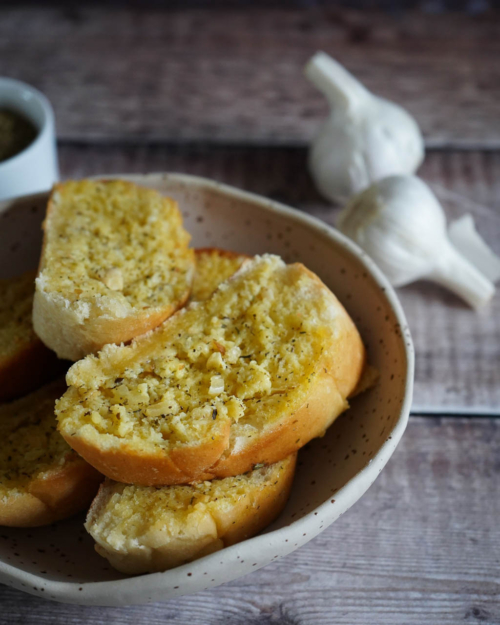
<point x="35" y="168"/>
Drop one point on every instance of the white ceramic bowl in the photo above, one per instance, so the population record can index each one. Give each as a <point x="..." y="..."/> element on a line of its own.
<point x="58" y="562"/>
<point x="35" y="168"/>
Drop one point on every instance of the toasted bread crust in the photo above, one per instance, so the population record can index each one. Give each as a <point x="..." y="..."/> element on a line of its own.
<point x="42" y="480"/>
<point x="61" y="328"/>
<point x="25" y="362"/>
<point x="311" y="420"/>
<point x="337" y="374"/>
<point x="59" y="495"/>
<point x="218" y="251"/>
<point x="214" y="460"/>
<point x="176" y="467"/>
<point x="220" y="528"/>
<point x="269" y="506"/>
<point x="32" y="365"/>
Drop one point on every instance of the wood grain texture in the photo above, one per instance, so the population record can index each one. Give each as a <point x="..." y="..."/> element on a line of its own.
<point x="422" y="546"/>
<point x="457" y="350"/>
<point x="236" y="76"/>
<point x="390" y="6"/>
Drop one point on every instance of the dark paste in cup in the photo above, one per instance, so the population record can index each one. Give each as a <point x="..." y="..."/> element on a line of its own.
<point x="16" y="133"/>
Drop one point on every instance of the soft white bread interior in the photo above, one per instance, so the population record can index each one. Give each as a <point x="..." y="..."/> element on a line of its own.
<point x="142" y="529"/>
<point x="115" y="263"/>
<point x="25" y="362"/>
<point x="248" y="376"/>
<point x="42" y="479"/>
<point x="213" y="266"/>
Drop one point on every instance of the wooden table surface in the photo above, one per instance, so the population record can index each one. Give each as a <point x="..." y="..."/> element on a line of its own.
<point x="220" y="93"/>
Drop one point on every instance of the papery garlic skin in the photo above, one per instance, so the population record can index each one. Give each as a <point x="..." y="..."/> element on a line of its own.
<point x="366" y="138"/>
<point x="399" y="222"/>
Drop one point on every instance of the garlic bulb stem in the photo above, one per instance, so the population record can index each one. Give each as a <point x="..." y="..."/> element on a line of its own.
<point x="365" y="138"/>
<point x="339" y="86"/>
<point x="457" y="274"/>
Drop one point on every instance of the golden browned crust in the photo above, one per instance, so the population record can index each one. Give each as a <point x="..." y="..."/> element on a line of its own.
<point x="58" y="495"/>
<point x="269" y="506"/>
<point x="214" y="459"/>
<point x="125" y="465"/>
<point x="210" y="530"/>
<point x="25" y="362"/>
<point x="75" y="340"/>
<point x="42" y="480"/>
<point x="322" y="407"/>
<point x="29" y="368"/>
<point x="61" y="329"/>
<point x="338" y="373"/>
<point x="349" y="361"/>
<point x="200" y="251"/>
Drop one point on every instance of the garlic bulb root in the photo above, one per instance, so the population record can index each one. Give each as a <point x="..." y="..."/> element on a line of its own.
<point x="457" y="274"/>
<point x="467" y="240"/>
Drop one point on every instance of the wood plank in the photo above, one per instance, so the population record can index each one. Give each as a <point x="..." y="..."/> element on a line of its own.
<point x="420" y="547"/>
<point x="236" y="76"/>
<point x="457" y="350"/>
<point x="436" y="6"/>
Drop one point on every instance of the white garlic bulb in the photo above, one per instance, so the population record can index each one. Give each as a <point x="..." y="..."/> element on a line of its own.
<point x="366" y="138"/>
<point x="399" y="222"/>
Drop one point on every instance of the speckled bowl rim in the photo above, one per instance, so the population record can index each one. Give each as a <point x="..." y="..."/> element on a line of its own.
<point x="160" y="586"/>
